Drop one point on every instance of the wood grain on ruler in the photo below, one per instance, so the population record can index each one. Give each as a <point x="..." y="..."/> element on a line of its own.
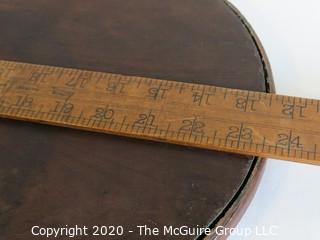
<point x="210" y="117"/>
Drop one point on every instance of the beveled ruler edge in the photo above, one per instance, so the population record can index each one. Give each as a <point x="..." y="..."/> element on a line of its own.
<point x="239" y="121"/>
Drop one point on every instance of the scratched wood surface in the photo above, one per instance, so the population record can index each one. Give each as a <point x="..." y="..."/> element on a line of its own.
<point x="53" y="176"/>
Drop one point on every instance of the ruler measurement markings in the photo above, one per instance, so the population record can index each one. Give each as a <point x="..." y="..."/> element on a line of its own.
<point x="177" y="93"/>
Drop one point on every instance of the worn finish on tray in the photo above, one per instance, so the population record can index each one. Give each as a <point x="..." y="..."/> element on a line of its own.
<point x="52" y="176"/>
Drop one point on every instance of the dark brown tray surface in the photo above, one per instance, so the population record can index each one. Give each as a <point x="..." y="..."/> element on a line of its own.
<point x="52" y="176"/>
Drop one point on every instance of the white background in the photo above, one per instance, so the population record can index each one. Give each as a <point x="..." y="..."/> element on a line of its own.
<point x="289" y="193"/>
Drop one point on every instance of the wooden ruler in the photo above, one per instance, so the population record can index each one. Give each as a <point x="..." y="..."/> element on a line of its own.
<point x="238" y="121"/>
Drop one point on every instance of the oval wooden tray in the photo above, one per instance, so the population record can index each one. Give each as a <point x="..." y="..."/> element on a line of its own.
<point x="52" y="176"/>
